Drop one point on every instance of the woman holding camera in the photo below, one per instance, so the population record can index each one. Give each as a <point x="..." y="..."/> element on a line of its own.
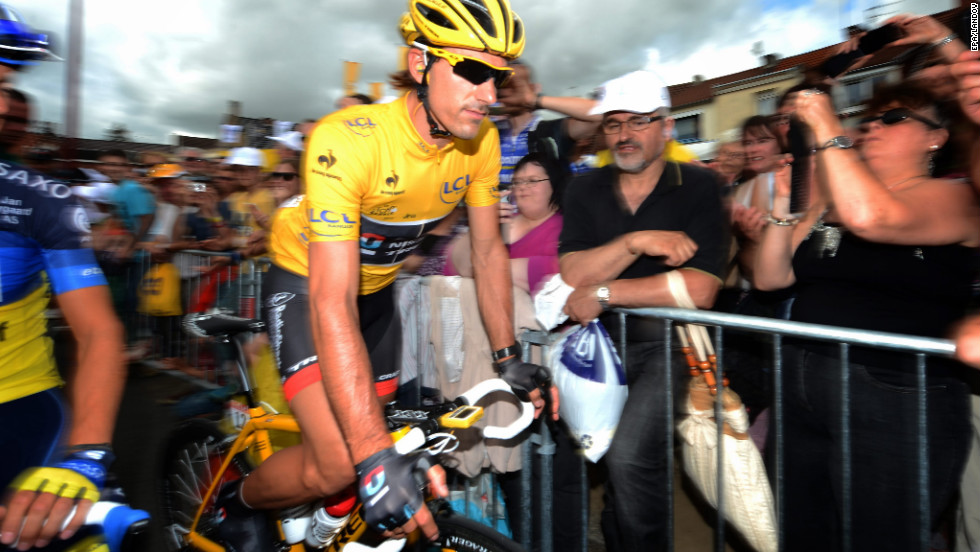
<point x="892" y="249"/>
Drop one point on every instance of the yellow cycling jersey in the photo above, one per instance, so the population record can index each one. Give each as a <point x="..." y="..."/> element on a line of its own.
<point x="371" y="177"/>
<point x="26" y="353"/>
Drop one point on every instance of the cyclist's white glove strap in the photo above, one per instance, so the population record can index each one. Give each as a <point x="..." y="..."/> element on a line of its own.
<point x="387" y="489"/>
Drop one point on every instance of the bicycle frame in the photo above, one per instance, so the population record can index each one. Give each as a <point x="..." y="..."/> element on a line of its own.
<point x="254" y="435"/>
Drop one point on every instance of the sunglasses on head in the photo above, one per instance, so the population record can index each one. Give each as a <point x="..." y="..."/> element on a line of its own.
<point x="473" y="70"/>
<point x="897" y="115"/>
<point x="287" y="176"/>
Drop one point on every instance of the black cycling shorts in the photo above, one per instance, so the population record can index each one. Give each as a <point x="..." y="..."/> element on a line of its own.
<point x="286" y="298"/>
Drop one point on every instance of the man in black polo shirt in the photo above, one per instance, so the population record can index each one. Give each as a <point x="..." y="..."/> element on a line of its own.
<point x="626" y="226"/>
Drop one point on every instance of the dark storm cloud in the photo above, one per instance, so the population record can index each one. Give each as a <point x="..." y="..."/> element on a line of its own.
<point x="589" y="44"/>
<point x="284" y="59"/>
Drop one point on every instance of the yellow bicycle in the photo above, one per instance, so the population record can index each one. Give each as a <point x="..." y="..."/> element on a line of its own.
<point x="199" y="458"/>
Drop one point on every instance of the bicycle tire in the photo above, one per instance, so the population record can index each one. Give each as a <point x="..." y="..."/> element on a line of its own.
<point x="460" y="534"/>
<point x="192" y="455"/>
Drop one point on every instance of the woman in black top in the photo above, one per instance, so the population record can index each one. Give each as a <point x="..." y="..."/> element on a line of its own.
<point x="890" y="248"/>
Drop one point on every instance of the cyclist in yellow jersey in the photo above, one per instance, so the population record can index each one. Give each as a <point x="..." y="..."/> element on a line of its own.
<point x="363" y="185"/>
<point x="377" y="178"/>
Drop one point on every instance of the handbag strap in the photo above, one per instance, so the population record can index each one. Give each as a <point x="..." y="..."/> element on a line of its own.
<point x="695" y="341"/>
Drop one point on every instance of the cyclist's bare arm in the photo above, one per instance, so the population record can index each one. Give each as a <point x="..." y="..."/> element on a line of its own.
<point x="97" y="386"/>
<point x="491" y="271"/>
<point x="494" y="288"/>
<point x="346" y="366"/>
<point x="344" y="362"/>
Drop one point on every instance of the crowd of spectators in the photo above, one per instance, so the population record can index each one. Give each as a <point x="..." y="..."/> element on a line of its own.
<point x="888" y="242"/>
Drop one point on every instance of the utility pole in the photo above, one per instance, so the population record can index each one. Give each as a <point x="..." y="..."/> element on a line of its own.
<point x="73" y="80"/>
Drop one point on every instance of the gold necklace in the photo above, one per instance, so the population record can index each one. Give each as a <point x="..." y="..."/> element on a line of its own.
<point x="900" y="182"/>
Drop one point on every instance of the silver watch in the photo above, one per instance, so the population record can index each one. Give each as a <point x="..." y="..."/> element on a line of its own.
<point x="602" y="295"/>
<point x="842" y="142"/>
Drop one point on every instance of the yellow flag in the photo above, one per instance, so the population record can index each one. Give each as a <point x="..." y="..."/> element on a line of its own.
<point x="352" y="71"/>
<point x="402" y="58"/>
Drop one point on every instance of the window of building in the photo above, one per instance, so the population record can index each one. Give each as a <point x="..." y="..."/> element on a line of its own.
<point x="687" y="129"/>
<point x="858" y="92"/>
<point x="766" y="102"/>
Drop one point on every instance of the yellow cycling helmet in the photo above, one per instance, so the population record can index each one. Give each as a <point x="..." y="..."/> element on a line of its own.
<point x="407" y="29"/>
<point x="482" y="25"/>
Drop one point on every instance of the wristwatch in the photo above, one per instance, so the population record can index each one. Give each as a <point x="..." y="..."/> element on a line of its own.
<point x="602" y="295"/>
<point x="842" y="142"/>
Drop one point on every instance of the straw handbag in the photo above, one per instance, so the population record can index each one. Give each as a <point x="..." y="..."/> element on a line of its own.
<point x="748" y="499"/>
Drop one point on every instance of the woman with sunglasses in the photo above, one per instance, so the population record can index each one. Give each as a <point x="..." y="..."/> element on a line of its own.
<point x="890" y="249"/>
<point x="283" y="182"/>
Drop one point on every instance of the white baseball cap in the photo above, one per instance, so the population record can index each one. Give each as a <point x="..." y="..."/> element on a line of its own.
<point x="292" y="140"/>
<point x="96" y="192"/>
<point x="637" y="92"/>
<point x="250" y="157"/>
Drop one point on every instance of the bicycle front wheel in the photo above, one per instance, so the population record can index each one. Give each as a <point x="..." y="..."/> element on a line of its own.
<point x="192" y="456"/>
<point x="461" y="534"/>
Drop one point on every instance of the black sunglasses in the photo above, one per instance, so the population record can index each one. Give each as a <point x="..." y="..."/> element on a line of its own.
<point x="897" y="115"/>
<point x="287" y="176"/>
<point x="474" y="70"/>
<point x="479" y="73"/>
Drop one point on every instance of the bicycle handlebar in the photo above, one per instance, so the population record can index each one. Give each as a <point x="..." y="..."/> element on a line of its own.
<point x="122" y="527"/>
<point x="486" y="387"/>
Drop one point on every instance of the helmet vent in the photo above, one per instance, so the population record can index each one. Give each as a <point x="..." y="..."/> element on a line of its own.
<point x="436" y="17"/>
<point x="479" y="11"/>
<point x="518" y="30"/>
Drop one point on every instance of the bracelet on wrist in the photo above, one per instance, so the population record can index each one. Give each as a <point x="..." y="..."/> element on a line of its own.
<point x="537" y="101"/>
<point x="507" y="352"/>
<point x="788" y="221"/>
<point x="945" y="40"/>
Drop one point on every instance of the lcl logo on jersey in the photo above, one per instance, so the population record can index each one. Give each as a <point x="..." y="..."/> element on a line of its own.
<point x="452" y="192"/>
<point x="330" y="217"/>
<point x="361" y="126"/>
<point x="328" y="160"/>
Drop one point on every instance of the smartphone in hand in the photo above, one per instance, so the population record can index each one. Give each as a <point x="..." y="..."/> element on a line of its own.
<point x="870" y="43"/>
<point x="801" y="171"/>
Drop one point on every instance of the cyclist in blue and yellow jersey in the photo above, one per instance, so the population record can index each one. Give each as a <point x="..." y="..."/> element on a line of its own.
<point x="44" y="249"/>
<point x="378" y="177"/>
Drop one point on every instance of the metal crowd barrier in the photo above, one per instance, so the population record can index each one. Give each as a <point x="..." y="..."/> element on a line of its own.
<point x="208" y="280"/>
<point x="920" y="347"/>
<point x="240" y="285"/>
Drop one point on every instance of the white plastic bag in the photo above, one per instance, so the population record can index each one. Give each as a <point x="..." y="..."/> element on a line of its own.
<point x="549" y="302"/>
<point x="592" y="385"/>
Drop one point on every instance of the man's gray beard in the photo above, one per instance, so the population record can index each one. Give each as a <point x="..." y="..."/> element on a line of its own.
<point x="632" y="167"/>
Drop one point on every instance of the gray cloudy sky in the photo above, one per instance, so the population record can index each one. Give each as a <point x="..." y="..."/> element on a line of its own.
<point x="160" y="67"/>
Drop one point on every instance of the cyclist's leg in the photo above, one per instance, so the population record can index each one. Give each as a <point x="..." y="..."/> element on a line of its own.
<point x="275" y="484"/>
<point x="323" y="459"/>
<point x="33" y="438"/>
<point x="382" y="331"/>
